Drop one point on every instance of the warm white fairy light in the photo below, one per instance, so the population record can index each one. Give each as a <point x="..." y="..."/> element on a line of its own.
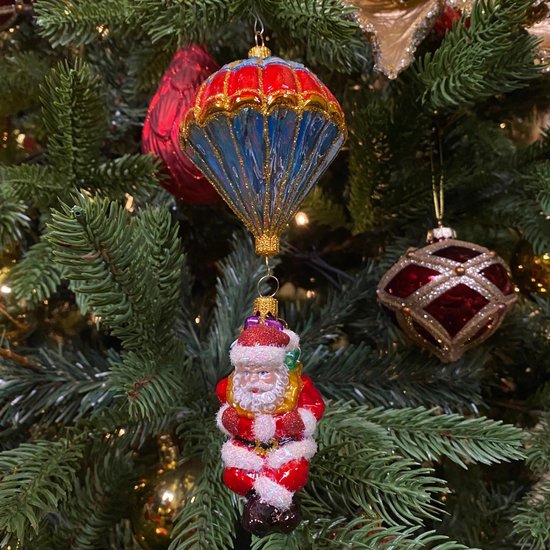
<point x="301" y="218"/>
<point x="5" y="289"/>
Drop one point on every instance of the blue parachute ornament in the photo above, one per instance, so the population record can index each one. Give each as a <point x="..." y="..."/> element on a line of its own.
<point x="263" y="130"/>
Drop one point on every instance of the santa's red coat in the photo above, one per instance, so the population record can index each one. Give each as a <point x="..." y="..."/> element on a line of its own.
<point x="284" y="470"/>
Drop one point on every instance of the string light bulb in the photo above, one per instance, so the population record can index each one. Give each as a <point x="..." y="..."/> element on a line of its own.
<point x="301" y="218"/>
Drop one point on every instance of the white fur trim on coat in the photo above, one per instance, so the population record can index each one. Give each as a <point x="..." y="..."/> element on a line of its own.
<point x="219" y="416"/>
<point x="291" y="451"/>
<point x="253" y="356"/>
<point x="264" y="426"/>
<point x="309" y="420"/>
<point x="235" y="456"/>
<point x="294" y="340"/>
<point x="273" y="493"/>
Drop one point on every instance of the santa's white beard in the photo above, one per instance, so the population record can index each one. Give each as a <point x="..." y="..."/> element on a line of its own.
<point x="266" y="399"/>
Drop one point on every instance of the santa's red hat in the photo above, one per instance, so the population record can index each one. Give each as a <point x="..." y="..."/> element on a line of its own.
<point x="262" y="345"/>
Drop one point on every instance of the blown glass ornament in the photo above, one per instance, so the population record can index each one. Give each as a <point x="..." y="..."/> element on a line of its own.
<point x="161" y="495"/>
<point x="448" y="296"/>
<point x="188" y="69"/>
<point x="263" y="130"/>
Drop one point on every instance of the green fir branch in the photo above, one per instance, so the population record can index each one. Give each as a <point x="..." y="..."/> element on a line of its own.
<point x="98" y="500"/>
<point x="208" y="519"/>
<point x="74" y="118"/>
<point x="152" y="389"/>
<point x="129" y="280"/>
<point x="356" y="469"/>
<point x="321" y="209"/>
<point x="425" y="435"/>
<point x="531" y="525"/>
<point x="369" y="158"/>
<point x="326" y="28"/>
<point x="363" y="375"/>
<point x="36" y="478"/>
<point x="32" y="183"/>
<point x="80" y="21"/>
<point x="56" y="387"/>
<point x="36" y="276"/>
<point x="21" y="73"/>
<point x="176" y="22"/>
<point x="14" y="221"/>
<point x="133" y="174"/>
<point x="492" y="55"/>
<point x="323" y="534"/>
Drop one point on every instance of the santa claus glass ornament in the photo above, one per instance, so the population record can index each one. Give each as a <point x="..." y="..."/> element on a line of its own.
<point x="448" y="296"/>
<point x="188" y="69"/>
<point x="269" y="411"/>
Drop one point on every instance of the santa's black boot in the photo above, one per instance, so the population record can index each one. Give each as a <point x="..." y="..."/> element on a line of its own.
<point x="260" y="518"/>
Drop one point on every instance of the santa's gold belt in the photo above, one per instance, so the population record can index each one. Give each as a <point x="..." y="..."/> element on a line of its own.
<point x="263" y="448"/>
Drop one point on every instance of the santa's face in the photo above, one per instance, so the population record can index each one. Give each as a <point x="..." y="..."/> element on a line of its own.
<point x="258" y="388"/>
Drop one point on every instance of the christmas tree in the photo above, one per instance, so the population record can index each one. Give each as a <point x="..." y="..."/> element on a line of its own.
<point x="125" y="279"/>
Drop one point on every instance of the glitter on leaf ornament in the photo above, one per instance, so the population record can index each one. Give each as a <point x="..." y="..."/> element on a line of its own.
<point x="541" y="29"/>
<point x="263" y="130"/>
<point x="10" y="10"/>
<point x="396" y="28"/>
<point x="189" y="67"/>
<point x="531" y="272"/>
<point x="448" y="296"/>
<point x="160" y="496"/>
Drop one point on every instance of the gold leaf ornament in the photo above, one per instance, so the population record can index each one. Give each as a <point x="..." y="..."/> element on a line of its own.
<point x="396" y="28"/>
<point x="541" y="29"/>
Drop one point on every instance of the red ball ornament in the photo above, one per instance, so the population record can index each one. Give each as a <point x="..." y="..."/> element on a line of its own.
<point x="448" y="296"/>
<point x="10" y="11"/>
<point x="189" y="67"/>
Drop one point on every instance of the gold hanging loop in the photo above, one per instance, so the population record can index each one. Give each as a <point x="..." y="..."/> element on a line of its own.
<point x="438" y="186"/>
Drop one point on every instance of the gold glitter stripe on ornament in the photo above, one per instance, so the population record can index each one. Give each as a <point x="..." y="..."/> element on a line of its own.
<point x="257" y="99"/>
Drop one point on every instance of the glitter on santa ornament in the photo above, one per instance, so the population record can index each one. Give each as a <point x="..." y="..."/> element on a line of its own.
<point x="448" y="296"/>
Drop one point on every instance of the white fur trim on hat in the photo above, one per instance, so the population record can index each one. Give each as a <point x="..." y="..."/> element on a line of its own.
<point x="309" y="420"/>
<point x="264" y="426"/>
<point x="291" y="451"/>
<point x="273" y="493"/>
<point x="219" y="416"/>
<point x="235" y="456"/>
<point x="294" y="340"/>
<point x="253" y="356"/>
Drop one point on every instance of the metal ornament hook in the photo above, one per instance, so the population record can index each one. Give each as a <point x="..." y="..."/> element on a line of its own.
<point x="258" y="31"/>
<point x="263" y="280"/>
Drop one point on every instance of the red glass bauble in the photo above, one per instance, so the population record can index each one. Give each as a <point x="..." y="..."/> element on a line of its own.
<point x="189" y="67"/>
<point x="10" y="11"/>
<point x="448" y="296"/>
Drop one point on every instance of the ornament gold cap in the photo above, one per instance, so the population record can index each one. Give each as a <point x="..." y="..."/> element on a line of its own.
<point x="266" y="305"/>
<point x="438" y="233"/>
<point x="267" y="245"/>
<point x="259" y="51"/>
